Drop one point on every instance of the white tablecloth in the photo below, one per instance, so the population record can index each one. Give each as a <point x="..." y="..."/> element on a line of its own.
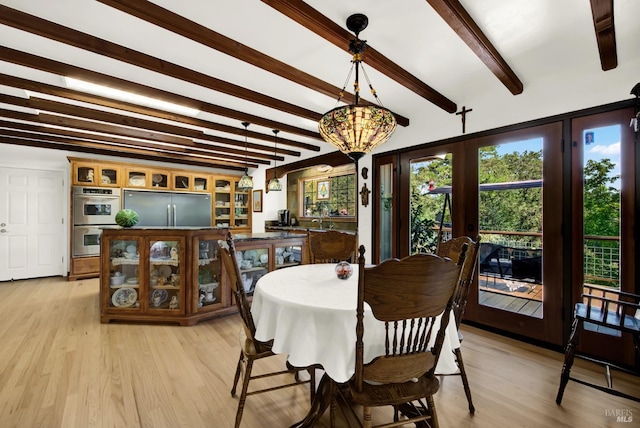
<point x="311" y="315"/>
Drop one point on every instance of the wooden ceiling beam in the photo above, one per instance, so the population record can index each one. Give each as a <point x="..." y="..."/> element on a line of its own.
<point x="62" y="69"/>
<point x="175" y="23"/>
<point x="602" y="12"/>
<point x="310" y="18"/>
<point x="44" y="88"/>
<point x="465" y="27"/>
<point x="42" y="27"/>
<point x="132" y="124"/>
<point x="66" y="122"/>
<point x="203" y="151"/>
<point x="166" y="152"/>
<point x="102" y="149"/>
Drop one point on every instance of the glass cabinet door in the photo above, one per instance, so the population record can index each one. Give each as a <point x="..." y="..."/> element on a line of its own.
<point x="165" y="278"/>
<point x="208" y="273"/>
<point x="287" y="255"/>
<point x="241" y="208"/>
<point x="85" y="174"/>
<point x="253" y="263"/>
<point x="160" y="180"/>
<point x="222" y="203"/>
<point x="124" y="274"/>
<point x="181" y="181"/>
<point x="137" y="178"/>
<point x="109" y="176"/>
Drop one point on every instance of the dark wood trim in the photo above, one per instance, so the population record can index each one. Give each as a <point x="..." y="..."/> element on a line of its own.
<point x="603" y="24"/>
<point x="43" y="88"/>
<point x="35" y="25"/>
<point x="102" y="149"/>
<point x="310" y="18"/>
<point x="465" y="27"/>
<point x="62" y="69"/>
<point x="332" y="159"/>
<point x="376" y="204"/>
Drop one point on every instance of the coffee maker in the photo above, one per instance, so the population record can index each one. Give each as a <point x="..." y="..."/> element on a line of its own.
<point x="283" y="217"/>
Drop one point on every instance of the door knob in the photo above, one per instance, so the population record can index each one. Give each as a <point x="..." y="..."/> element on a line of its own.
<point x="3" y="230"/>
<point x="3" y="224"/>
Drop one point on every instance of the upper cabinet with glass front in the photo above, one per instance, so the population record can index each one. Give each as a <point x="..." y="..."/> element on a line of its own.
<point x="231" y="206"/>
<point x="85" y="173"/>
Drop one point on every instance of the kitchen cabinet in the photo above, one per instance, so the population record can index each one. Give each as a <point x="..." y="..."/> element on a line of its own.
<point x="230" y="205"/>
<point x="259" y="253"/>
<point x="161" y="275"/>
<point x="95" y="174"/>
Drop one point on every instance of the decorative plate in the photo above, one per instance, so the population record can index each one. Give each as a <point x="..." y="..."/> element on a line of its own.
<point x="165" y="270"/>
<point x="156" y="178"/>
<point x="137" y="180"/>
<point x="131" y="249"/>
<point x="159" y="296"/>
<point x="106" y="180"/>
<point x="124" y="297"/>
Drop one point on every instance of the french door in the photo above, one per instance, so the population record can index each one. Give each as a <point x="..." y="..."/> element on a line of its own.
<point x="603" y="182"/>
<point x="514" y="204"/>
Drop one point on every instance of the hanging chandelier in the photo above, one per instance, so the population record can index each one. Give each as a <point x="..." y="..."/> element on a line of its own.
<point x="357" y="129"/>
<point x="274" y="184"/>
<point x="246" y="182"/>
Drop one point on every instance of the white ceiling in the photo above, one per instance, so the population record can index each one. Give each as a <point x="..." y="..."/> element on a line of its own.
<point x="549" y="44"/>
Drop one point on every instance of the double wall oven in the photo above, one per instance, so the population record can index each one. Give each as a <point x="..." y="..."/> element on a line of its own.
<point x="92" y="207"/>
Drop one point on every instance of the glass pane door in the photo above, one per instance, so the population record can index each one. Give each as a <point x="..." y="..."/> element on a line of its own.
<point x="603" y="252"/>
<point x="430" y="201"/>
<point x="510" y="222"/>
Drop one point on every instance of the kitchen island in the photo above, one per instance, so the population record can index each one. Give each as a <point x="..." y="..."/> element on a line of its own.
<point x="174" y="275"/>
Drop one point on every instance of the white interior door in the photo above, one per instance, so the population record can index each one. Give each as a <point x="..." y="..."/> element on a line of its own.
<point x="31" y="228"/>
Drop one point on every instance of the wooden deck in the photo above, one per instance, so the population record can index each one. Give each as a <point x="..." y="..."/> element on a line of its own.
<point x="515" y="296"/>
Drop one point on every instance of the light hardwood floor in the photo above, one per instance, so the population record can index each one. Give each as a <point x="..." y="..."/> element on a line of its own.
<point x="59" y="367"/>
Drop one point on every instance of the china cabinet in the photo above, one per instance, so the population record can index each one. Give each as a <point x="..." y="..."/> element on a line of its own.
<point x="161" y="275"/>
<point x="259" y="253"/>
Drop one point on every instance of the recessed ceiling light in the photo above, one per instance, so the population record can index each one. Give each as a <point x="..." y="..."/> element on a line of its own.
<point x="105" y="91"/>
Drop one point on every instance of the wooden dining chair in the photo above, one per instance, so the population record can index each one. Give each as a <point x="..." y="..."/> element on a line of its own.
<point x="250" y="348"/>
<point x="405" y="373"/>
<point x="332" y="246"/>
<point x="453" y="249"/>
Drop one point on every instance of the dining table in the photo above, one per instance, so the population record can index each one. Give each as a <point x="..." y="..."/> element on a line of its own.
<point x="310" y="315"/>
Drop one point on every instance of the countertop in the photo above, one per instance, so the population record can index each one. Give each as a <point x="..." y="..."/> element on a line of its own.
<point x="265" y="236"/>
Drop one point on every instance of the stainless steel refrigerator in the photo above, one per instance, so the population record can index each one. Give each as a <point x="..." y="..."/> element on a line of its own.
<point x="169" y="209"/>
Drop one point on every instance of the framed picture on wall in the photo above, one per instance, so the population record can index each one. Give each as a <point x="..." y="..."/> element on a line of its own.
<point x="257" y="201"/>
<point x="323" y="189"/>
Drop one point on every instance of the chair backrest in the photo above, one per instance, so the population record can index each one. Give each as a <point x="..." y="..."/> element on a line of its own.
<point x="408" y="312"/>
<point x="230" y="263"/>
<point x="452" y="249"/>
<point x="332" y="246"/>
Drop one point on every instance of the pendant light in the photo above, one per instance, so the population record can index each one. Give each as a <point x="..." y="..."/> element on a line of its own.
<point x="357" y="129"/>
<point x="246" y="183"/>
<point x="274" y="184"/>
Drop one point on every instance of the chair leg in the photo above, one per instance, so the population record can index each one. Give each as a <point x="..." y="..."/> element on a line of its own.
<point x="465" y="381"/>
<point x="431" y="405"/>
<point x="237" y="376"/>
<point x="568" y="357"/>
<point x="366" y="417"/>
<point x="312" y="383"/>
<point x="245" y="388"/>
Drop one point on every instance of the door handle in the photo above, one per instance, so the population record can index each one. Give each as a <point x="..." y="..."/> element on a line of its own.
<point x="175" y="215"/>
<point x="168" y="215"/>
<point x="4" y="231"/>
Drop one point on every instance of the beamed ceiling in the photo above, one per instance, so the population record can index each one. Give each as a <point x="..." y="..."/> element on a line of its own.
<point x="277" y="65"/>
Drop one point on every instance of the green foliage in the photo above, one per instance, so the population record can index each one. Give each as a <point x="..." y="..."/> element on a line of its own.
<point x="601" y="200"/>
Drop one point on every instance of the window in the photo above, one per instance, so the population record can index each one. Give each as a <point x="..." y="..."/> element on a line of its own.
<point x="329" y="196"/>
